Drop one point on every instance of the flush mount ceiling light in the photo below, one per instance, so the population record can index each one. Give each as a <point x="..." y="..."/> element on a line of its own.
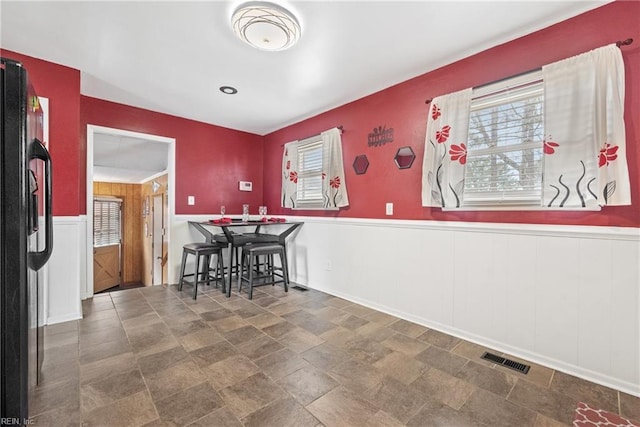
<point x="265" y="26"/>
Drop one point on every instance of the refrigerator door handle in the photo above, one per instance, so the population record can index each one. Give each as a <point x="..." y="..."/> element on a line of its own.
<point x="40" y="258"/>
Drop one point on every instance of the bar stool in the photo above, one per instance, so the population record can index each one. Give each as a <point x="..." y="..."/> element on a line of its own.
<point x="250" y="257"/>
<point x="202" y="251"/>
<point x="239" y="241"/>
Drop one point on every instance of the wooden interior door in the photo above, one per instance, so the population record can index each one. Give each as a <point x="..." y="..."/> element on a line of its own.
<point x="106" y="267"/>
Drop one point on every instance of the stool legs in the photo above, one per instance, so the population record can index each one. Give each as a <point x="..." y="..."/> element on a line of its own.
<point x="182" y="265"/>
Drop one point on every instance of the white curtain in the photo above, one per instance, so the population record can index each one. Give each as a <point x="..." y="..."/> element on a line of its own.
<point x="583" y="120"/>
<point x="289" y="175"/>
<point x="445" y="150"/>
<point x="333" y="183"/>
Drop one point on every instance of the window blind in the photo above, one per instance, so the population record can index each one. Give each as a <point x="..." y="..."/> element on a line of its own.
<point x="107" y="220"/>
<point x="310" y="160"/>
<point x="505" y="146"/>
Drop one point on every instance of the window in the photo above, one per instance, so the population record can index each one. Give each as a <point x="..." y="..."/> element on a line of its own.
<point x="505" y="144"/>
<point x="107" y="219"/>
<point x="309" y="185"/>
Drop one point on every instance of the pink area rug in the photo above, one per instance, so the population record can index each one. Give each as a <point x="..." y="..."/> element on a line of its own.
<point x="587" y="416"/>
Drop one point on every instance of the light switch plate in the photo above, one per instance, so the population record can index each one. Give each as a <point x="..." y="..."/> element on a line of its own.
<point x="191" y="200"/>
<point x="389" y="209"/>
<point x="246" y="186"/>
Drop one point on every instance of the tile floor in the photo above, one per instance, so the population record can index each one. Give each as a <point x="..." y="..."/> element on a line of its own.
<point x="154" y="356"/>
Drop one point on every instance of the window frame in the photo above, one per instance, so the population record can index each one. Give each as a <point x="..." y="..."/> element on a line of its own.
<point x="106" y="231"/>
<point x="521" y="87"/>
<point x="301" y="203"/>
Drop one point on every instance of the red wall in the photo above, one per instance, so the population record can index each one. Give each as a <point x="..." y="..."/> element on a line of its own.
<point x="62" y="86"/>
<point x="403" y="108"/>
<point x="210" y="160"/>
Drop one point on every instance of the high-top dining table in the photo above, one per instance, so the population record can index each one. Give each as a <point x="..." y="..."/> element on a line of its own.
<point x="237" y="239"/>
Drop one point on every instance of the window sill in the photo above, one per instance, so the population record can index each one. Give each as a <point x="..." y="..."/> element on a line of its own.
<point x="523" y="208"/>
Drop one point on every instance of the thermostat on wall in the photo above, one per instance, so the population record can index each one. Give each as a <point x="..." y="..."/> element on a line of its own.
<point x="246" y="185"/>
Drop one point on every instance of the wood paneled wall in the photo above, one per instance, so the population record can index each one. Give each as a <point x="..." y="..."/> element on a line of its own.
<point x="146" y="228"/>
<point x="132" y="220"/>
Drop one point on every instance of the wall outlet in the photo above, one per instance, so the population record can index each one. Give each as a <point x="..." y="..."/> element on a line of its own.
<point x="327" y="265"/>
<point x="246" y="186"/>
<point x="389" y="209"/>
<point x="191" y="200"/>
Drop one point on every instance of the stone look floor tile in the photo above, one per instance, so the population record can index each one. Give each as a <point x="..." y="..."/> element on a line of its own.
<point x="438" y="385"/>
<point x="281" y="363"/>
<point x="401" y="367"/>
<point x="356" y="375"/>
<point x="325" y="356"/>
<point x="279" y="329"/>
<point x="108" y="390"/>
<point x="473" y="352"/>
<point x="403" y="344"/>
<point x="230" y="371"/>
<point x="222" y="417"/>
<point x="487" y="378"/>
<point x="260" y="347"/>
<point x="300" y="340"/>
<point x="438" y="414"/>
<point x="492" y="410"/>
<point x="395" y="398"/>
<point x="410" y="329"/>
<point x="281" y="413"/>
<point x="365" y="349"/>
<point x="135" y="410"/>
<point x="264" y="320"/>
<point x="442" y="359"/>
<point x="174" y="379"/>
<point x="162" y="360"/>
<point x="251" y="394"/>
<point x="552" y="404"/>
<point x="307" y="384"/>
<point x="199" y="339"/>
<point x="214" y="353"/>
<point x="342" y="408"/>
<point x="594" y="395"/>
<point x="542" y="421"/>
<point x="104" y="368"/>
<point x="630" y="407"/>
<point x="51" y="396"/>
<point x="439" y="339"/>
<point x="189" y="405"/>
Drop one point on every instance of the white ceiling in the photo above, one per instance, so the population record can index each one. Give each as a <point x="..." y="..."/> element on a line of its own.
<point x="125" y="159"/>
<point x="172" y="56"/>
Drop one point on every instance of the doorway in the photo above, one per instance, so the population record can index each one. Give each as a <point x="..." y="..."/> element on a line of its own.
<point x="94" y="136"/>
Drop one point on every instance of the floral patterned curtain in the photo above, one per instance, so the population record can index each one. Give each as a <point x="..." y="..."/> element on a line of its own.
<point x="333" y="183"/>
<point x="289" y="175"/>
<point x="585" y="156"/>
<point x="445" y="151"/>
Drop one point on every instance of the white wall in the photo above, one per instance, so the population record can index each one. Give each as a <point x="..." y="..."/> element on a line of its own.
<point x="66" y="269"/>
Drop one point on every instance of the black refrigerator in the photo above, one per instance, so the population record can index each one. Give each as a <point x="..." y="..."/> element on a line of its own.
<point x="25" y="239"/>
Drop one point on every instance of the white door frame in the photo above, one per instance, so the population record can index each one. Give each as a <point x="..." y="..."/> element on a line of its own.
<point x="156" y="261"/>
<point x="171" y="161"/>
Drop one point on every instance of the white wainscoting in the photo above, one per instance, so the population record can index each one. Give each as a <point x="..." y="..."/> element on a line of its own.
<point x="563" y="296"/>
<point x="66" y="267"/>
